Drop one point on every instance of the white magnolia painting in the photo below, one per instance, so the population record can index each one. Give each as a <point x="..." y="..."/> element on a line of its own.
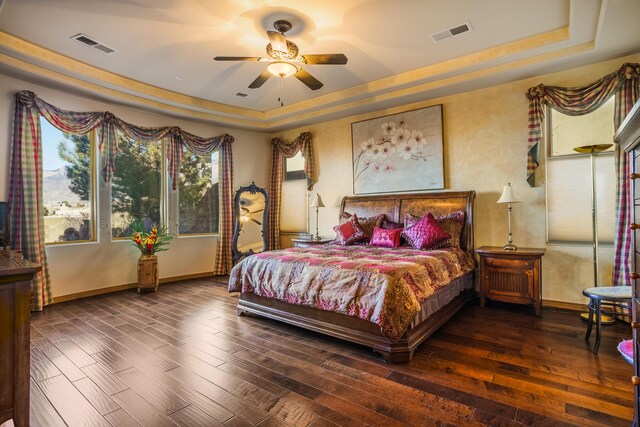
<point x="400" y="152"/>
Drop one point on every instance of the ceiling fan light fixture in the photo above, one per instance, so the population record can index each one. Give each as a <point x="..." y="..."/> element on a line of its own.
<point x="282" y="69"/>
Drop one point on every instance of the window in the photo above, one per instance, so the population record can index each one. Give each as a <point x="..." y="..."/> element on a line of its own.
<point x="68" y="190"/>
<point x="569" y="176"/>
<point x="294" y="167"/>
<point x="136" y="187"/>
<point x="198" y="194"/>
<point x="574" y="131"/>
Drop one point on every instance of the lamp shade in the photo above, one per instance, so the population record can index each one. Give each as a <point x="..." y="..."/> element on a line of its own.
<point x="317" y="201"/>
<point x="508" y="196"/>
<point x="282" y="69"/>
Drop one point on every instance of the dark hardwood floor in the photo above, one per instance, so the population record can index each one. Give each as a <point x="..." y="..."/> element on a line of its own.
<point x="183" y="357"/>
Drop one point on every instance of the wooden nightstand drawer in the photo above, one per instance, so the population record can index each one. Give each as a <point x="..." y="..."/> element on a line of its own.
<point x="509" y="262"/>
<point x="513" y="277"/>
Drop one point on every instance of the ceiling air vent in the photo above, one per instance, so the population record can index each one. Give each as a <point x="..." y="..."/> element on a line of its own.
<point x="92" y="43"/>
<point x="241" y="95"/>
<point x="451" y="32"/>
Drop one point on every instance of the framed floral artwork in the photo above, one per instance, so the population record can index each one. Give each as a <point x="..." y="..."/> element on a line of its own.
<point x="399" y="152"/>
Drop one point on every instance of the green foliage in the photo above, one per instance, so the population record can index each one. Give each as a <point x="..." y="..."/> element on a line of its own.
<point x="76" y="151"/>
<point x="198" y="195"/>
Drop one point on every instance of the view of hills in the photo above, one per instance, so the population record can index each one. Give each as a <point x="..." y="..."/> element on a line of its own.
<point x="56" y="187"/>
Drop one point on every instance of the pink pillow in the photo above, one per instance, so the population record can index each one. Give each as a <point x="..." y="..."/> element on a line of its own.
<point x="386" y="238"/>
<point x="626" y="350"/>
<point x="425" y="233"/>
<point x="451" y="223"/>
<point x="349" y="231"/>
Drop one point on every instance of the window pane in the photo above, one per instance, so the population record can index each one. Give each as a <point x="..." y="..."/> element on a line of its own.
<point x="198" y="194"/>
<point x="66" y="181"/>
<point x="136" y="187"/>
<point x="568" y="132"/>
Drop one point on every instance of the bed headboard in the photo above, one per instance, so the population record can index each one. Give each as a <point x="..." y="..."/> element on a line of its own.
<point x="395" y="206"/>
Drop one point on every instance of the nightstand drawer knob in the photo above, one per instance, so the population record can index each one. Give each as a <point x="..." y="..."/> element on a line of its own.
<point x="634" y="276"/>
<point x="635" y="325"/>
<point x="634" y="226"/>
<point x="634" y="176"/>
<point x="635" y="380"/>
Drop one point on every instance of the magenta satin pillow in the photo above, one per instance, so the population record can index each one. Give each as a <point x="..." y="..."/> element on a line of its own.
<point x="386" y="238"/>
<point x="425" y="233"/>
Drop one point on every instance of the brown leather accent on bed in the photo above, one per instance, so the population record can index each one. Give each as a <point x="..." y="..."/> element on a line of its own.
<point x="395" y="206"/>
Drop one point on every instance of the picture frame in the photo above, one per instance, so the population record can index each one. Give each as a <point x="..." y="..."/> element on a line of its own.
<point x="400" y="152"/>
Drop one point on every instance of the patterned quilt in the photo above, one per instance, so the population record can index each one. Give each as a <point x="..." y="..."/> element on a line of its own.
<point x="381" y="285"/>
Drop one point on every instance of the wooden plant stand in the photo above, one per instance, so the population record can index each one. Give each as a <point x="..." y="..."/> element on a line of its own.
<point x="148" y="276"/>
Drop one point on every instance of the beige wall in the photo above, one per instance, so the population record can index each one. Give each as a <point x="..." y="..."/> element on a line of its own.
<point x="485" y="147"/>
<point x="88" y="266"/>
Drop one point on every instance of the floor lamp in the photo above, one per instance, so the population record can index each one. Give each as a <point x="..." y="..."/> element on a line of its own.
<point x="592" y="151"/>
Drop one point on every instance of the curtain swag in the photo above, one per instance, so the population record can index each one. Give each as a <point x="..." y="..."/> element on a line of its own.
<point x="575" y="101"/>
<point x="285" y="150"/>
<point x="25" y="194"/>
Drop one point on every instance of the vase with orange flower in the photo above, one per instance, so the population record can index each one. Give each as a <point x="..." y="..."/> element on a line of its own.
<point x="149" y="243"/>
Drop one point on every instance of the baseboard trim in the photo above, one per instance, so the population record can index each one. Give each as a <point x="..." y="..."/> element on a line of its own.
<point x="573" y="306"/>
<point x="110" y="289"/>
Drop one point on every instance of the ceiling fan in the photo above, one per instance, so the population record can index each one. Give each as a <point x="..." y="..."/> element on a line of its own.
<point x="285" y="59"/>
<point x="246" y="214"/>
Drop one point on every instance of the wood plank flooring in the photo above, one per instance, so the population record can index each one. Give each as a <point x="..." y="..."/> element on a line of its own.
<point x="183" y="357"/>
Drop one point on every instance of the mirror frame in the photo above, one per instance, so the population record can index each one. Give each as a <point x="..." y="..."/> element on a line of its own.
<point x="236" y="255"/>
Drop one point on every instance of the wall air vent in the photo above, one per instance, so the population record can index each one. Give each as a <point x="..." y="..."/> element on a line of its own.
<point x="92" y="43"/>
<point x="451" y="32"/>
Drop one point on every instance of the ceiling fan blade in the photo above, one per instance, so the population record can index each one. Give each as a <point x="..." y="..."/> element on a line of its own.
<point x="256" y="221"/>
<point x="259" y="81"/>
<point x="237" y="58"/>
<point x="308" y="79"/>
<point x="278" y="41"/>
<point x="257" y="211"/>
<point x="328" y="58"/>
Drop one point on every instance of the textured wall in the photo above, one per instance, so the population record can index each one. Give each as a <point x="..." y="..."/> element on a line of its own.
<point x="485" y="147"/>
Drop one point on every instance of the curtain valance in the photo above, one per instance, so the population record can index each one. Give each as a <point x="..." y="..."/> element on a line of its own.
<point x="285" y="150"/>
<point x="573" y="101"/>
<point x="108" y="125"/>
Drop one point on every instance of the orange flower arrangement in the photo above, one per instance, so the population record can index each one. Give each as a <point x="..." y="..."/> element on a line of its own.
<point x="151" y="242"/>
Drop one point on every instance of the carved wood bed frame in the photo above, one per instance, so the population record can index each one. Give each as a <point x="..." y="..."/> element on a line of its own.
<point x="361" y="331"/>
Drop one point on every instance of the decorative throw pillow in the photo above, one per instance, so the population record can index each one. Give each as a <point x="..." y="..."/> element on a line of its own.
<point x="425" y="233"/>
<point x="386" y="238"/>
<point x="349" y="231"/>
<point x="451" y="223"/>
<point x="366" y="224"/>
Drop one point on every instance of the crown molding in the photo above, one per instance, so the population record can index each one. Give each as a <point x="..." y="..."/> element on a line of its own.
<point x="114" y="86"/>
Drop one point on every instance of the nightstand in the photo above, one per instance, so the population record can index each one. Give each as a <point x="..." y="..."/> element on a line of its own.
<point x="511" y="276"/>
<point x="305" y="243"/>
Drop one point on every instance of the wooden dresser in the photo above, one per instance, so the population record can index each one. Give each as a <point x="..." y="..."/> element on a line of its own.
<point x="628" y="136"/>
<point x="15" y="279"/>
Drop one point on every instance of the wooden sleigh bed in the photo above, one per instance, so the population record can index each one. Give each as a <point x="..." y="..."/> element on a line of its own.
<point x="364" y="332"/>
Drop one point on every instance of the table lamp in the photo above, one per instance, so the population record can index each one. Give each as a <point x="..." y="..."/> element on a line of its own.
<point x="508" y="197"/>
<point x="317" y="203"/>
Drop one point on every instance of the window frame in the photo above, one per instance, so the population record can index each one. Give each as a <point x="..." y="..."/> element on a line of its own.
<point x="293" y="175"/>
<point x="548" y="157"/>
<point x="93" y="203"/>
<point x="177" y="210"/>
<point x="164" y="187"/>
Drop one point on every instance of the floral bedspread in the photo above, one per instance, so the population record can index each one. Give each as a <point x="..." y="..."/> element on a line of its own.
<point x="381" y="285"/>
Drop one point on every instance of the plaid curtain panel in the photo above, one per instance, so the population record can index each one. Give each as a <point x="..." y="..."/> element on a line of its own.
<point x="224" y="261"/>
<point x="26" y="207"/>
<point x="282" y="150"/>
<point x="25" y="194"/>
<point x="583" y="100"/>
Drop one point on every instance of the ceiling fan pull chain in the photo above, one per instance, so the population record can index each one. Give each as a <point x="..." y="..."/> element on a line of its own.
<point x="280" y="97"/>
